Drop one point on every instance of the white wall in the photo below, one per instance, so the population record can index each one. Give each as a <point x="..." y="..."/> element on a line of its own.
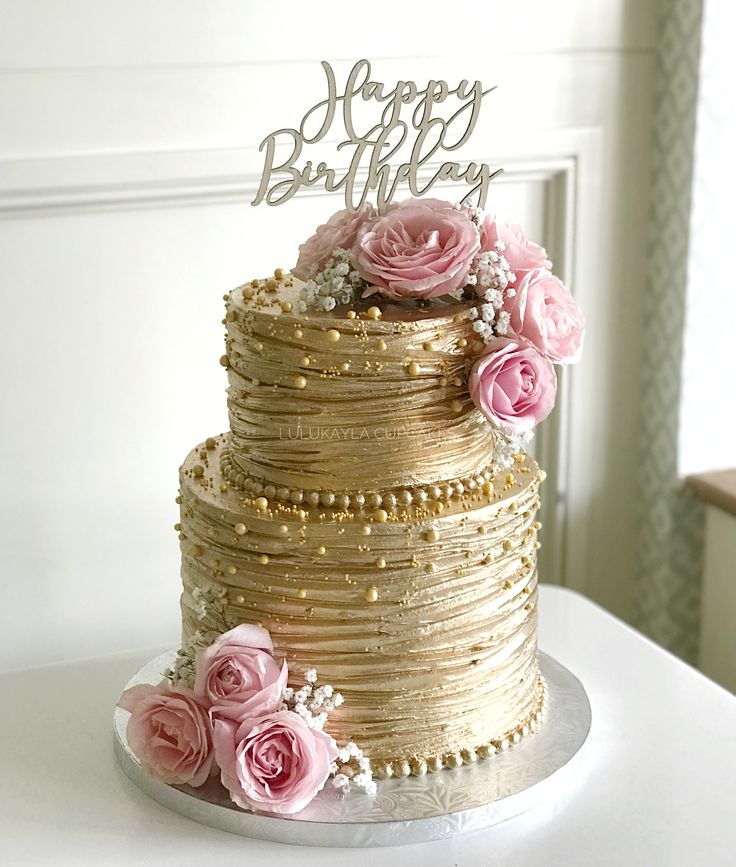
<point x="128" y="136"/>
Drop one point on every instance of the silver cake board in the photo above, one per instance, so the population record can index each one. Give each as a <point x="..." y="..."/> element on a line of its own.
<point x="542" y="768"/>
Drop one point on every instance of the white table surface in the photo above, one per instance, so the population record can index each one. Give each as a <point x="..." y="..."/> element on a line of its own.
<point x="658" y="786"/>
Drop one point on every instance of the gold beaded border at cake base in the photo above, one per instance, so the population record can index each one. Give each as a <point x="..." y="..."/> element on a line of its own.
<point x="418" y="767"/>
<point x="389" y="499"/>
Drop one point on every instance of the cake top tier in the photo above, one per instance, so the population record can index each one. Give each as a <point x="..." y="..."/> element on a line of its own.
<point x="409" y="352"/>
<point x="355" y="399"/>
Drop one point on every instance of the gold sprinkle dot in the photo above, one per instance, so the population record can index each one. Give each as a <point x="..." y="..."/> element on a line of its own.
<point x="300" y="381"/>
<point x="412" y="368"/>
<point x="507" y="546"/>
<point x="430" y="567"/>
<point x="298" y="333"/>
<point x="510" y="478"/>
<point x="261" y="504"/>
<point x="381" y="345"/>
<point x="365" y="530"/>
<point x="240" y="529"/>
<point x="301" y="593"/>
<point x="283" y="529"/>
<point x="458" y="318"/>
<point x="301" y="514"/>
<point x="371" y="594"/>
<point x="239" y="600"/>
<point x="333" y="335"/>
<point x="198" y="471"/>
<point x="210" y="443"/>
<point x="537" y="525"/>
<point x="232" y="570"/>
<point x="432" y="535"/>
<point x="380" y="563"/>
<point x="456" y="405"/>
<point x="321" y="549"/>
<point x="427" y="346"/>
<point x="279" y="273"/>
<point x="351" y="314"/>
<point x="381" y="516"/>
<point x="462" y="343"/>
<point x="345" y="366"/>
<point x="263" y="559"/>
<point x="373" y="313"/>
<point x="224" y="361"/>
<point x="306" y="361"/>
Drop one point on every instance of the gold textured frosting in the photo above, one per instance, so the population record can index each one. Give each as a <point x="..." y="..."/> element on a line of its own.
<point x="410" y="583"/>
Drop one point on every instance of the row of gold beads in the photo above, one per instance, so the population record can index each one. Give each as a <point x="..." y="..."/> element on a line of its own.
<point x="418" y="767"/>
<point x="342" y="500"/>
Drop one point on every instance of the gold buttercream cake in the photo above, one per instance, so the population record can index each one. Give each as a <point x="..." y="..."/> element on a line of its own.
<point x="357" y="510"/>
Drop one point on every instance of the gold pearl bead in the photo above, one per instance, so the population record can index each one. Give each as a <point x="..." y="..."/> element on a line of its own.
<point x="321" y="549"/>
<point x="198" y="471"/>
<point x="412" y="368"/>
<point x="381" y="345"/>
<point x="366" y="530"/>
<point x="380" y="563"/>
<point x="351" y="314"/>
<point x="210" y="443"/>
<point x="345" y="367"/>
<point x="462" y="343"/>
<point x="456" y="405"/>
<point x="286" y="306"/>
<point x="432" y="535"/>
<point x="298" y="333"/>
<point x="427" y="346"/>
<point x="373" y="313"/>
<point x="261" y="504"/>
<point x="381" y="516"/>
<point x="333" y="335"/>
<point x="263" y="559"/>
<point x="270" y="284"/>
<point x="239" y="600"/>
<point x="283" y="529"/>
<point x="240" y="529"/>
<point x="279" y="273"/>
<point x="301" y="593"/>
<point x="224" y="361"/>
<point x="371" y="594"/>
<point x="300" y="381"/>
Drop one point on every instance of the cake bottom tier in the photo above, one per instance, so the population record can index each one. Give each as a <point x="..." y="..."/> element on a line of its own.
<point x="424" y="619"/>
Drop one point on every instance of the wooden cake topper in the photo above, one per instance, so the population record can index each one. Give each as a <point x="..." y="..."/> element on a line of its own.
<point x="369" y="170"/>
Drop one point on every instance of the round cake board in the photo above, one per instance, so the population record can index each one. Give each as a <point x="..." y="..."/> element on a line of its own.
<point x="543" y="767"/>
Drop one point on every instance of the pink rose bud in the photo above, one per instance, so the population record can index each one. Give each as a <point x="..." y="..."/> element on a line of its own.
<point x="521" y="253"/>
<point x="420" y="248"/>
<point x="238" y="676"/>
<point x="544" y="312"/>
<point x="275" y="763"/>
<point x="339" y="231"/>
<point x="170" y="732"/>
<point x="513" y="385"/>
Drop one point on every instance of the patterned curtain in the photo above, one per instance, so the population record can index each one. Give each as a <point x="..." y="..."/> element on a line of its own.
<point x="671" y="521"/>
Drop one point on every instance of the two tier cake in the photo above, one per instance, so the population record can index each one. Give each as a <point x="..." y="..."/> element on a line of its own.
<point x="359" y="549"/>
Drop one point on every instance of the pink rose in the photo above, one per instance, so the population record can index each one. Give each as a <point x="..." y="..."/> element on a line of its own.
<point x="274" y="763"/>
<point x="545" y="313"/>
<point x="521" y="253"/>
<point x="339" y="231"/>
<point x="238" y="676"/>
<point x="513" y="385"/>
<point x="420" y="248"/>
<point x="170" y="732"/>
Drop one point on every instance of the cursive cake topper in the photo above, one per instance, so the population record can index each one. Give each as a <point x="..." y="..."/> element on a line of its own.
<point x="369" y="168"/>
